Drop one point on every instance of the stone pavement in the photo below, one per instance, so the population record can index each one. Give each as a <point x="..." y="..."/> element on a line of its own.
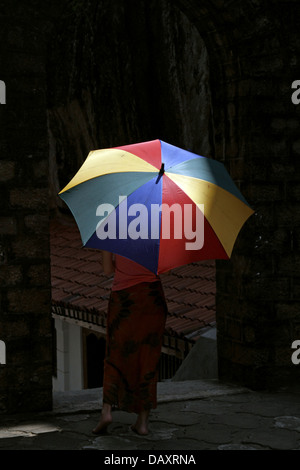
<point x="191" y="416"/>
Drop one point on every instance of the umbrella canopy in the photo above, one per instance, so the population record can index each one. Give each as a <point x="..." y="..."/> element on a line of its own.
<point x="156" y="204"/>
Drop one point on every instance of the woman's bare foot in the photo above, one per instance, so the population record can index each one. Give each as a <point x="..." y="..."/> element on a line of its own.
<point x="141" y="425"/>
<point x="105" y="420"/>
<point x="141" y="431"/>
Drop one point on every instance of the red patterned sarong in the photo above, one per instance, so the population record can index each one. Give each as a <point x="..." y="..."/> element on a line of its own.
<point x="135" y="327"/>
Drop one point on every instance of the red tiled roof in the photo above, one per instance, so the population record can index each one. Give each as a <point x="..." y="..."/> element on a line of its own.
<point x="78" y="283"/>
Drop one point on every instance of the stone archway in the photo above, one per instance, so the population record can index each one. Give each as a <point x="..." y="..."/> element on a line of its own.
<point x="148" y="63"/>
<point x="248" y="56"/>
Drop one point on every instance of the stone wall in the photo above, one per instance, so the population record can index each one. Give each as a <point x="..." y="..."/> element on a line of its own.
<point x="253" y="49"/>
<point x="25" y="319"/>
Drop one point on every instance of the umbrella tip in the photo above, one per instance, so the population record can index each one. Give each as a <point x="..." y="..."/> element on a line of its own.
<point x="161" y="172"/>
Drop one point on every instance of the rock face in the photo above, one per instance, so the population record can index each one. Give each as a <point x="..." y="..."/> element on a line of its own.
<point x="213" y="77"/>
<point x="121" y="75"/>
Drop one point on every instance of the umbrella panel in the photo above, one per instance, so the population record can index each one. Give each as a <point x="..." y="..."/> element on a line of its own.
<point x="84" y="199"/>
<point x="174" y="251"/>
<point x="159" y="234"/>
<point x="128" y="228"/>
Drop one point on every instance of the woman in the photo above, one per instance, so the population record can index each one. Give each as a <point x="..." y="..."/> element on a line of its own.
<point x="135" y="325"/>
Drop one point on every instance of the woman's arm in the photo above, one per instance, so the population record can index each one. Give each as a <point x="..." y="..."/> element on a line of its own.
<point x="108" y="263"/>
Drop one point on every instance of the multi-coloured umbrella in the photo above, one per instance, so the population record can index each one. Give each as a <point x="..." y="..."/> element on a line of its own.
<point x="156" y="204"/>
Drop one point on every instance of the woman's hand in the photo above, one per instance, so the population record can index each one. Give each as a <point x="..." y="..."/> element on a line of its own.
<point x="108" y="263"/>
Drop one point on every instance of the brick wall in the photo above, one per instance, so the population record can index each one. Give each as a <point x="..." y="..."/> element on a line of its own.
<point x="25" y="319"/>
<point x="253" y="49"/>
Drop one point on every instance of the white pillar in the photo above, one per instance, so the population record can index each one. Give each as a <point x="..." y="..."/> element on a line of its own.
<point x="69" y="357"/>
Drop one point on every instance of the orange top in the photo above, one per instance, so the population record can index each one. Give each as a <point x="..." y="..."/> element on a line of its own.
<point x="128" y="273"/>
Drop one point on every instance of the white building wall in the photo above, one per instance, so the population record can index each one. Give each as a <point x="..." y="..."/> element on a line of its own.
<point x="69" y="357"/>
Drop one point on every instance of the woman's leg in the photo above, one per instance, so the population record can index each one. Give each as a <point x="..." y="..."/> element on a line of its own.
<point x="105" y="419"/>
